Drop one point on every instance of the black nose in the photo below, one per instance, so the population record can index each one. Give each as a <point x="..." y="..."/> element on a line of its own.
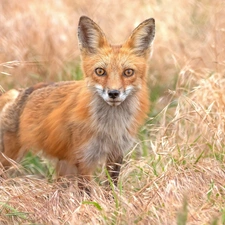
<point x="113" y="94"/>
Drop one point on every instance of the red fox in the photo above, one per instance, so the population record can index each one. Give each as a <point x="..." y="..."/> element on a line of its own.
<point x="83" y="122"/>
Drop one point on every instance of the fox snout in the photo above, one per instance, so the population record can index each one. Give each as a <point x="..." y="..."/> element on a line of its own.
<point x="113" y="94"/>
<point x="113" y="97"/>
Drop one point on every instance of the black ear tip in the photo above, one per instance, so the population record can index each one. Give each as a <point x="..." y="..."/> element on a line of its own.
<point x="150" y="21"/>
<point x="84" y="19"/>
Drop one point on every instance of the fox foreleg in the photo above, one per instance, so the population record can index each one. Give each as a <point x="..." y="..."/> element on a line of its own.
<point x="113" y="166"/>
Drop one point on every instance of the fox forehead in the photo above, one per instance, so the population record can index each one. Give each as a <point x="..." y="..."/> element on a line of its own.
<point x="115" y="57"/>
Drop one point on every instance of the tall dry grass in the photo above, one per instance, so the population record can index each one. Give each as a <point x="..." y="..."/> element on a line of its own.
<point x="179" y="177"/>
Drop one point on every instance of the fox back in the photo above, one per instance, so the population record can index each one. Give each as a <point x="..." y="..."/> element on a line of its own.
<point x="85" y="122"/>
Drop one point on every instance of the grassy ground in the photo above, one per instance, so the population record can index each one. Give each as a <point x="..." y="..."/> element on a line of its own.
<point x="175" y="174"/>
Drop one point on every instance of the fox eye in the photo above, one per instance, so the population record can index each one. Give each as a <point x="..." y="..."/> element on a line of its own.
<point x="100" y="71"/>
<point x="128" y="72"/>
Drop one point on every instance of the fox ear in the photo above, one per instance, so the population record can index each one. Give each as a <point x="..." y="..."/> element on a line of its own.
<point x="90" y="35"/>
<point x="142" y="37"/>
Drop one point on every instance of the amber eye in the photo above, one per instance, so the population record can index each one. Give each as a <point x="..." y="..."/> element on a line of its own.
<point x="100" y="71"/>
<point x="128" y="72"/>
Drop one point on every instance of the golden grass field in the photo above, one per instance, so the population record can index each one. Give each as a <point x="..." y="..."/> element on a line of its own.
<point x="176" y="173"/>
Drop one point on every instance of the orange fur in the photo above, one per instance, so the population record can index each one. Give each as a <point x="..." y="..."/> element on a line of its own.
<point x="84" y="122"/>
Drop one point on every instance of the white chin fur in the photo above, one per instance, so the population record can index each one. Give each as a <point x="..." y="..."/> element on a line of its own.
<point x="111" y="103"/>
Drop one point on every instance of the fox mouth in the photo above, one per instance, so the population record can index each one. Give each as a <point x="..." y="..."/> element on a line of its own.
<point x="114" y="103"/>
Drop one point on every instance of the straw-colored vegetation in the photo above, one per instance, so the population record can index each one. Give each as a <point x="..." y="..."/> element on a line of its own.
<point x="175" y="174"/>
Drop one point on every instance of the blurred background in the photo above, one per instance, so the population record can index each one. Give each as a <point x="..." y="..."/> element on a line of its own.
<point x="38" y="39"/>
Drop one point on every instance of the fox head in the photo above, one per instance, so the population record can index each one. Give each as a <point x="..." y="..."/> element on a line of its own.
<point x="115" y="71"/>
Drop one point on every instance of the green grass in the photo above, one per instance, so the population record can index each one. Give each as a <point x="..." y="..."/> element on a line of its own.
<point x="10" y="211"/>
<point x="35" y="165"/>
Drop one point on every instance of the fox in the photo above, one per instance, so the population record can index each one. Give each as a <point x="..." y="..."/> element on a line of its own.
<point x="86" y="122"/>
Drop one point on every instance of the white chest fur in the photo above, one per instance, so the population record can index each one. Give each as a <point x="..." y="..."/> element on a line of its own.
<point x="111" y="125"/>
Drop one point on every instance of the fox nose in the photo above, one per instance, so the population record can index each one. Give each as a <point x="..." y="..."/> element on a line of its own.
<point x="113" y="93"/>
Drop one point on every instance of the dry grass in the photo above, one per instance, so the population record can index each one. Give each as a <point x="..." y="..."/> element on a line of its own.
<point x="179" y="177"/>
